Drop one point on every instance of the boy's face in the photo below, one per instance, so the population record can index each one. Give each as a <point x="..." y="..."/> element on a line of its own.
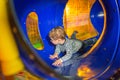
<point x="56" y="42"/>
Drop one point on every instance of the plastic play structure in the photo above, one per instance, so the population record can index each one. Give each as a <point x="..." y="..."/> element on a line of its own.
<point x="31" y="21"/>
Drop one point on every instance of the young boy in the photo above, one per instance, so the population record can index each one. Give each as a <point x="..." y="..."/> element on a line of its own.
<point x="70" y="46"/>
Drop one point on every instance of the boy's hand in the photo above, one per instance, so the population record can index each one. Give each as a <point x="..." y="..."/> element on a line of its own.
<point x="53" y="56"/>
<point x="57" y="62"/>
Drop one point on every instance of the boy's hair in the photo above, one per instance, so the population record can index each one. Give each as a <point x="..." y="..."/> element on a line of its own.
<point x="57" y="33"/>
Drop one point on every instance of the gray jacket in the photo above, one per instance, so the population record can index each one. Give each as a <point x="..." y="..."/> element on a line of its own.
<point x="70" y="46"/>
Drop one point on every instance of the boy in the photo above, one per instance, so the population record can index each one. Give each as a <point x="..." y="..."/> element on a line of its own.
<point x="70" y="46"/>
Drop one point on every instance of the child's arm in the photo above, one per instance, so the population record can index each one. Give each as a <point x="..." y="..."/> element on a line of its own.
<point x="57" y="62"/>
<point x="57" y="51"/>
<point x="68" y="54"/>
<point x="66" y="57"/>
<point x="55" y="55"/>
<point x="63" y="59"/>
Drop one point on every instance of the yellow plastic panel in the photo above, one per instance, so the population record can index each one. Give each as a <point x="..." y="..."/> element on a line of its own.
<point x="33" y="31"/>
<point x="77" y="18"/>
<point x="10" y="62"/>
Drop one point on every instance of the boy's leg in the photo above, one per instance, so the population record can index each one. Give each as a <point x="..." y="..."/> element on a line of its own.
<point x="74" y="35"/>
<point x="74" y="68"/>
<point x="89" y="42"/>
<point x="59" y="70"/>
<point x="68" y="62"/>
<point x="64" y="68"/>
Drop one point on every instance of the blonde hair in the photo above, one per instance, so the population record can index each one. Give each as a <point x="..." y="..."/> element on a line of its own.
<point x="57" y="33"/>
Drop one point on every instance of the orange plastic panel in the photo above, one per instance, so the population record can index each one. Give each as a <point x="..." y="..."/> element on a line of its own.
<point x="77" y="18"/>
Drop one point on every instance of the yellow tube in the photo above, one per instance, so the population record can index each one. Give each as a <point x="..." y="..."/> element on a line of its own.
<point x="9" y="55"/>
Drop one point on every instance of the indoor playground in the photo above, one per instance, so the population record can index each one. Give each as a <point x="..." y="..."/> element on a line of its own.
<point x="25" y="45"/>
